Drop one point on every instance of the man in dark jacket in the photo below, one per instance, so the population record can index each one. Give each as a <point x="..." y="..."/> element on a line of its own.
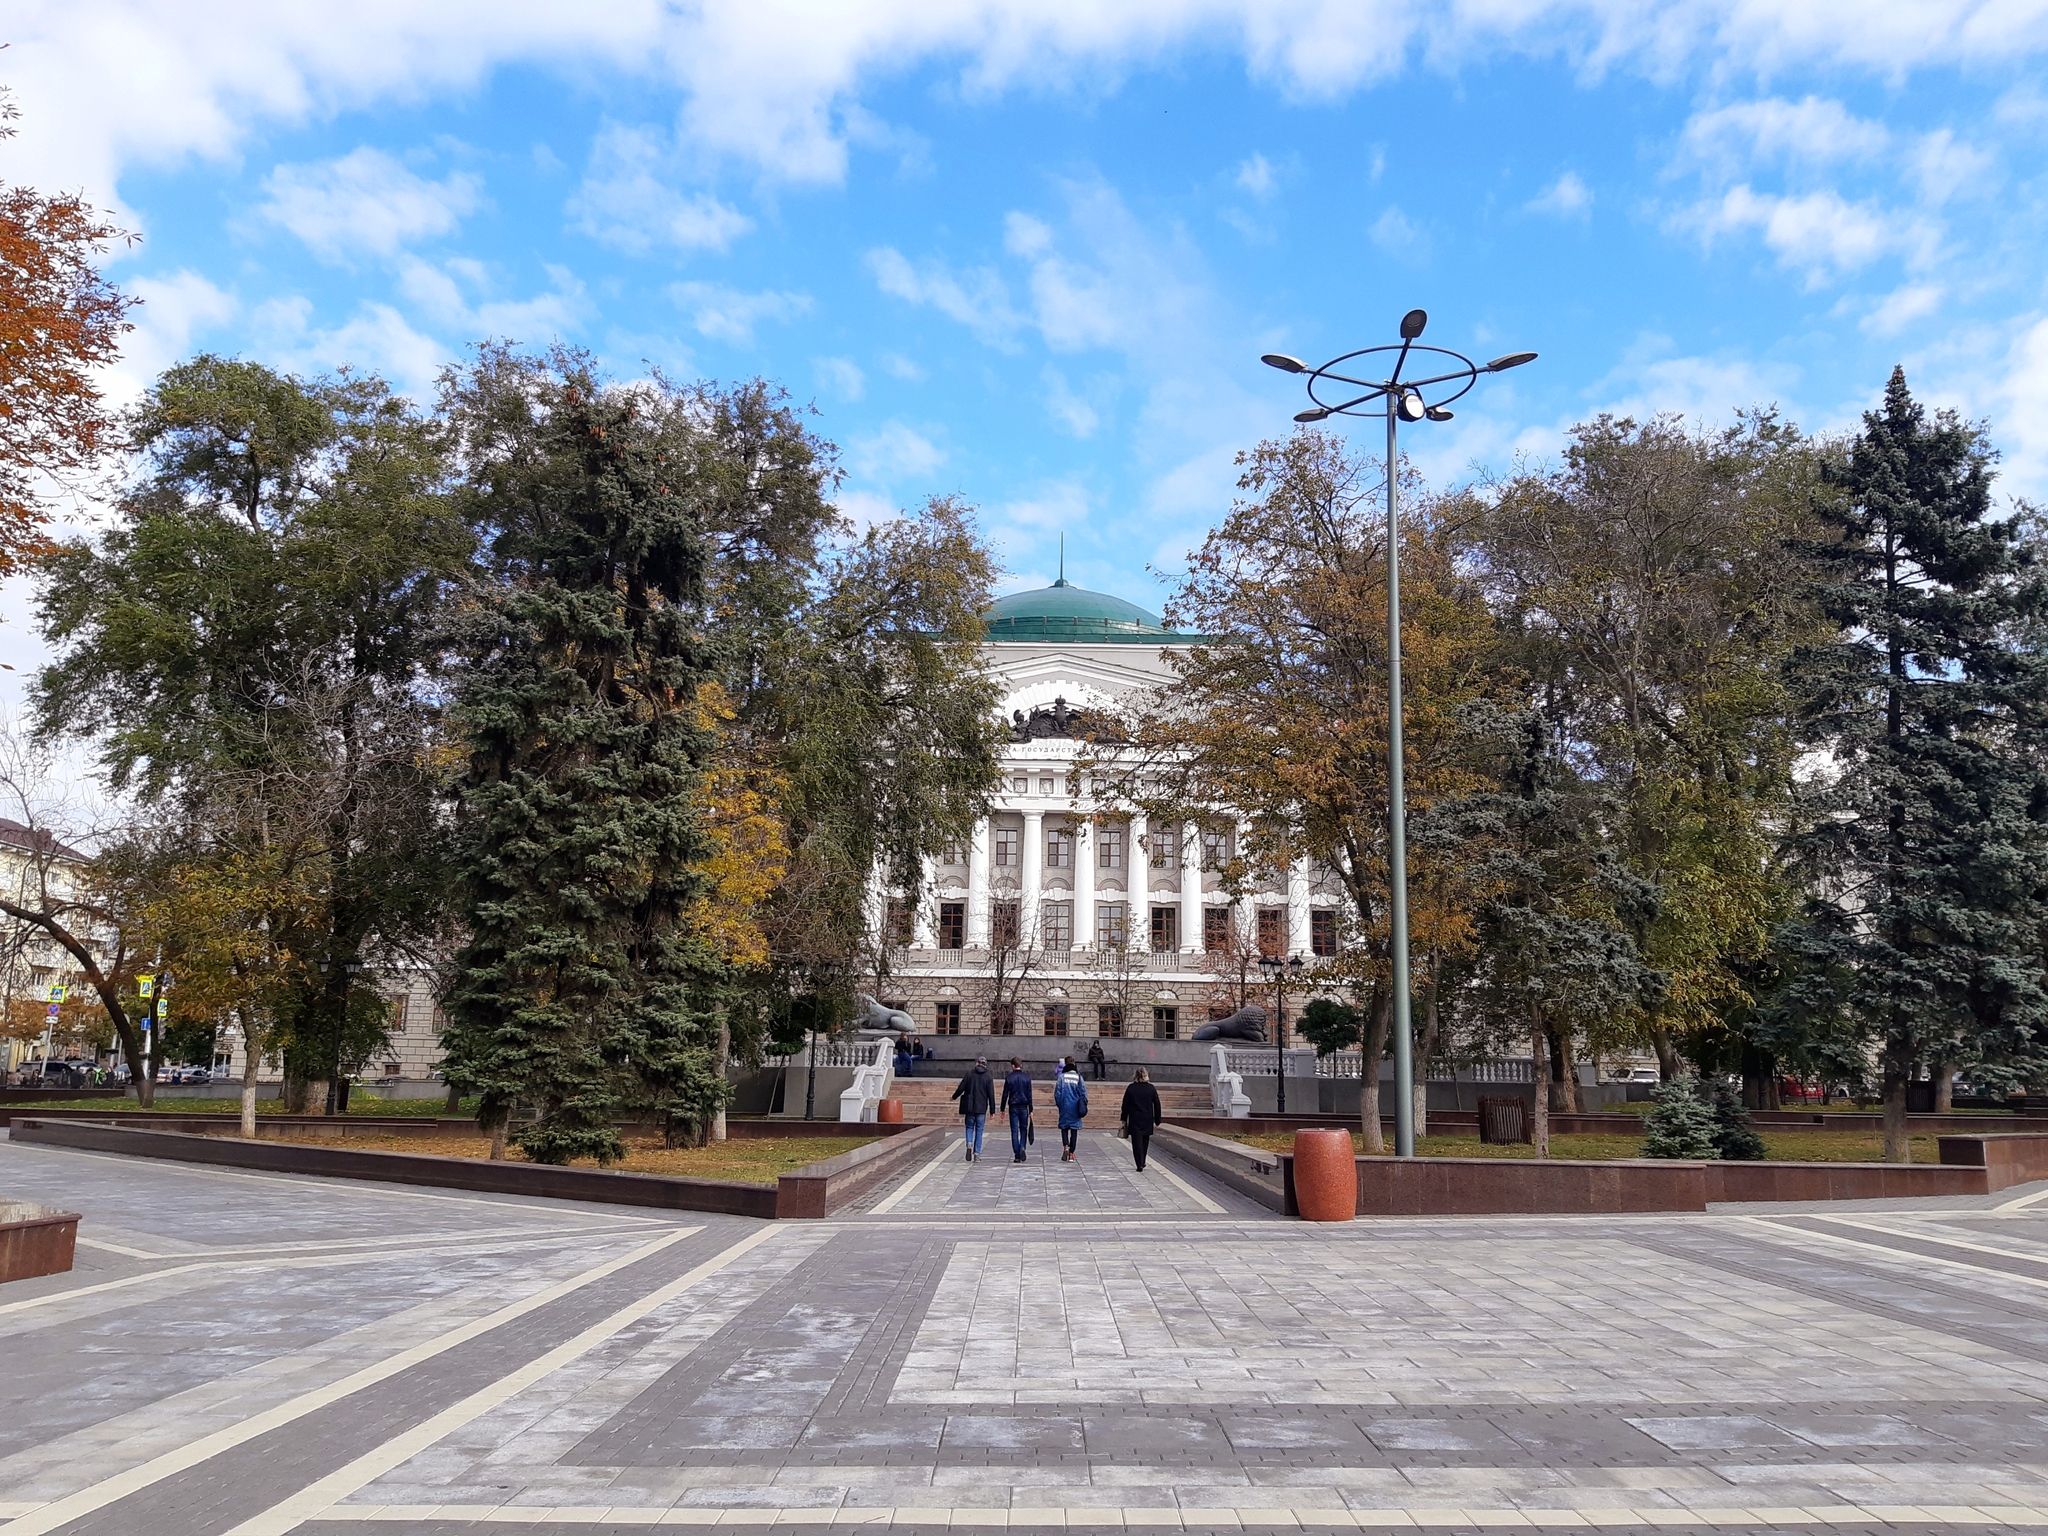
<point x="1097" y="1060"/>
<point x="1141" y="1115"/>
<point x="977" y="1096"/>
<point x="1017" y="1100"/>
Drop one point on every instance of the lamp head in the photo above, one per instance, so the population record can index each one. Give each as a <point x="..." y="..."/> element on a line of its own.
<point x="1512" y="360"/>
<point x="1284" y="363"/>
<point x="1318" y="414"/>
<point x="1411" y="407"/>
<point x="1269" y="963"/>
<point x="1296" y="965"/>
<point x="1412" y="323"/>
<point x="1437" y="413"/>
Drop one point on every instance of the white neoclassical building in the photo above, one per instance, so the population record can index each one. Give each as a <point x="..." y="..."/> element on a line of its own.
<point x="1062" y="916"/>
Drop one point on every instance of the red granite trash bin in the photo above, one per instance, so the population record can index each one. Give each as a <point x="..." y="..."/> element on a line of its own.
<point x="1325" y="1176"/>
<point x="889" y="1112"/>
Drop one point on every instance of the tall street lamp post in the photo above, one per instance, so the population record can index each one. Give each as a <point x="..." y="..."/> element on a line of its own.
<point x="1337" y="393"/>
<point x="1278" y="971"/>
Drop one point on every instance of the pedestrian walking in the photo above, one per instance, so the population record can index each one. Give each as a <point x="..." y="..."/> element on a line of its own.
<point x="1070" y="1096"/>
<point x="976" y="1094"/>
<point x="1017" y="1100"/>
<point x="1141" y="1115"/>
<point x="1097" y="1060"/>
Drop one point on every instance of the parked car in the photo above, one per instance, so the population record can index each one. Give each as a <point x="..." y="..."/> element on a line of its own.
<point x="198" y="1075"/>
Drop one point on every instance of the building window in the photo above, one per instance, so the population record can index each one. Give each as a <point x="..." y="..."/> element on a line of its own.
<point x="1109" y="1020"/>
<point x="1215" y="847"/>
<point x="1322" y="931"/>
<point x="1164" y="845"/>
<point x="1003" y="931"/>
<point x="1007" y="841"/>
<point x="953" y="853"/>
<point x="1112" y="925"/>
<point x="1272" y="931"/>
<point x="1165" y="1023"/>
<point x="1002" y="1018"/>
<point x="1109" y="848"/>
<point x="953" y="925"/>
<point x="1056" y="925"/>
<point x="1059" y="849"/>
<point x="898" y="923"/>
<point x="1165" y="928"/>
<point x="401" y="1005"/>
<point x="1215" y="929"/>
<point x="946" y="1019"/>
<point x="391" y="1069"/>
<point x="1055" y="1018"/>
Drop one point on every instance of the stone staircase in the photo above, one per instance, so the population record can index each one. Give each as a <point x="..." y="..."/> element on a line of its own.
<point x="929" y="1100"/>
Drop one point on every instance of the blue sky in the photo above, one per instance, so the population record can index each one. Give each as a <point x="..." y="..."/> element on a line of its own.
<point x="1029" y="253"/>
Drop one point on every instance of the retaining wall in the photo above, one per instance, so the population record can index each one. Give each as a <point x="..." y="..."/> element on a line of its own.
<point x="816" y="1190"/>
<point x="35" y="1240"/>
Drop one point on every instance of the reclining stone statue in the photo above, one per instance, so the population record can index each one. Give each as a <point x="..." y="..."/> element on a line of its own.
<point x="1248" y="1023"/>
<point x="877" y="1022"/>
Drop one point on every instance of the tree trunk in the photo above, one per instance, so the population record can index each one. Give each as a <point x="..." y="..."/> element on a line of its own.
<point x="498" y="1142"/>
<point x="1426" y="1047"/>
<point x="1379" y="1022"/>
<point x="1563" y="1072"/>
<point x="1898" y="1146"/>
<point x="717" y="1130"/>
<point x="453" y="1104"/>
<point x="1539" y="1086"/>
<point x="1944" y="1088"/>
<point x="1668" y="1067"/>
<point x="251" y="1059"/>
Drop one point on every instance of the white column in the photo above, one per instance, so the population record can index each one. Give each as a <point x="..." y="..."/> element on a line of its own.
<point x="1190" y="886"/>
<point x="1246" y="916"/>
<point x="1297" y="908"/>
<point x="1137" y="885"/>
<point x="924" y="922"/>
<point x="977" y="887"/>
<point x="876" y="903"/>
<point x="1084" y="881"/>
<point x="1034" y="877"/>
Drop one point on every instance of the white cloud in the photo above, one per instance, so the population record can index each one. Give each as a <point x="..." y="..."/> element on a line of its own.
<point x="1568" y="197"/>
<point x="977" y="299"/>
<point x="1820" y="233"/>
<point x="866" y="509"/>
<point x="2023" y="422"/>
<point x="1400" y="237"/>
<point x="1074" y="414"/>
<point x="727" y="314"/>
<point x="1901" y="308"/>
<point x="1255" y="176"/>
<point x="840" y="375"/>
<point x="365" y="201"/>
<point x="1943" y="167"/>
<point x="461" y="296"/>
<point x="1701" y="389"/>
<point x="1814" y="131"/>
<point x="176" y="310"/>
<point x="628" y="198"/>
<point x="1058" y="508"/>
<point x="897" y="366"/>
<point x="772" y="83"/>
<point x="377" y="339"/>
<point x="897" y="452"/>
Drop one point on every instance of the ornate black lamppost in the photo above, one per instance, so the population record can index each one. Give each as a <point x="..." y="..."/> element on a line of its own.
<point x="1278" y="971"/>
<point x="1347" y="393"/>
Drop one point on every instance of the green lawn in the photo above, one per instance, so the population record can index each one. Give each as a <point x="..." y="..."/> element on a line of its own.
<point x="752" y="1161"/>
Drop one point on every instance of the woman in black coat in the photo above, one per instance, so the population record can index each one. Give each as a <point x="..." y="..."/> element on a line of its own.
<point x="1141" y="1115"/>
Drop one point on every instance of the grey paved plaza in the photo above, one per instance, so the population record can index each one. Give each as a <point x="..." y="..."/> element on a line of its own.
<point x="1042" y="1347"/>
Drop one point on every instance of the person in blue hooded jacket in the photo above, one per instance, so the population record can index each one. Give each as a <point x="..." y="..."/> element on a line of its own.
<point x="1070" y="1097"/>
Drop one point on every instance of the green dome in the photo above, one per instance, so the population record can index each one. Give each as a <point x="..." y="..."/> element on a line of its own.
<point x="1062" y="612"/>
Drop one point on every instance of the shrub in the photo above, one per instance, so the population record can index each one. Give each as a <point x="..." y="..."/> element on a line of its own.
<point x="1734" y="1138"/>
<point x="1682" y="1125"/>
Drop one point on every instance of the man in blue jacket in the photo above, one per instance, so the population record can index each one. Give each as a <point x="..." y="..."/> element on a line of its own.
<point x="1070" y="1094"/>
<point x="977" y="1096"/>
<point x="1017" y="1100"/>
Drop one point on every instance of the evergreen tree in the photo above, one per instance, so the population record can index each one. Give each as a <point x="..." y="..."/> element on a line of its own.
<point x="581" y="991"/>
<point x="1735" y="1139"/>
<point x="1925" y="840"/>
<point x="1682" y="1125"/>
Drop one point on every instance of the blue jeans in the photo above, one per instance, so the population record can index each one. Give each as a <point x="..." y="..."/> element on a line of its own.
<point x="973" y="1125"/>
<point x="1019" y="1119"/>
